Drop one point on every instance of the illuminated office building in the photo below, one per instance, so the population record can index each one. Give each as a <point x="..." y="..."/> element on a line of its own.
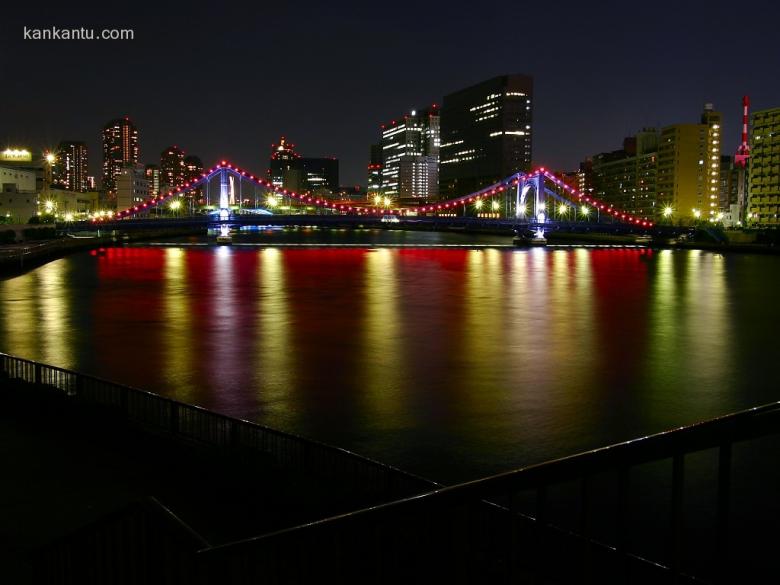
<point x="486" y="134"/>
<point x="410" y="157"/>
<point x="70" y="166"/>
<point x="120" y="148"/>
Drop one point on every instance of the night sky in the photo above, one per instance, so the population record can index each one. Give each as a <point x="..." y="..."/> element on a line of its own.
<point x="226" y="81"/>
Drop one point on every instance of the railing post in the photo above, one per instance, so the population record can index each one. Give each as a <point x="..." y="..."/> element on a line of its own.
<point x="234" y="433"/>
<point x="587" y="564"/>
<point x="174" y="418"/>
<point x="512" y="560"/>
<point x="541" y="528"/>
<point x="724" y="506"/>
<point x="123" y="402"/>
<point x="676" y="540"/>
<point x="622" y="520"/>
<point x="38" y="376"/>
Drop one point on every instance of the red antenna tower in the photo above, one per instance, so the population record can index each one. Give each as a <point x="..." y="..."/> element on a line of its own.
<point x="743" y="150"/>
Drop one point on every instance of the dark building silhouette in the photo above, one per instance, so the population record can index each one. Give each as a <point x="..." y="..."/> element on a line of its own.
<point x="375" y="165"/>
<point x="289" y="170"/>
<point x="486" y="132"/>
<point x="172" y="171"/>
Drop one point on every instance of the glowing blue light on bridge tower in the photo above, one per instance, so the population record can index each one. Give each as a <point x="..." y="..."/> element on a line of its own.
<point x="540" y="211"/>
<point x="524" y="185"/>
<point x="224" y="195"/>
<point x="522" y="191"/>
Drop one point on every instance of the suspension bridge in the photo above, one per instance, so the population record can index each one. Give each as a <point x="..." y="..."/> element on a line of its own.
<point x="531" y="203"/>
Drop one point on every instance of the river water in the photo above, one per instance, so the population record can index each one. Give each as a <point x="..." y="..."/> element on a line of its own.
<point x="451" y="362"/>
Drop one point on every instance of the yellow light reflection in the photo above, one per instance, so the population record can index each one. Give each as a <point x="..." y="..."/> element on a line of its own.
<point x="20" y="315"/>
<point x="484" y="344"/>
<point x="54" y="315"/>
<point x="274" y="339"/>
<point x="36" y="318"/>
<point x="383" y="360"/>
<point x="177" y="328"/>
<point x="707" y="315"/>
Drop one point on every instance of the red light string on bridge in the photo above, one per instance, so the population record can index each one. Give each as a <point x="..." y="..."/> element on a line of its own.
<point x="495" y="189"/>
<point x="627" y="217"/>
<point x="207" y="176"/>
<point x="441" y="206"/>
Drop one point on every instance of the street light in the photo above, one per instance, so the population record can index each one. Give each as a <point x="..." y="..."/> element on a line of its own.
<point x="563" y="209"/>
<point x="272" y="201"/>
<point x="478" y="204"/>
<point x="696" y="213"/>
<point x="585" y="211"/>
<point x="387" y="201"/>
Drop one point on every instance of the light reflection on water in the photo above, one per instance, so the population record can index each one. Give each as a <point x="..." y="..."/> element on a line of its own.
<point x="452" y="363"/>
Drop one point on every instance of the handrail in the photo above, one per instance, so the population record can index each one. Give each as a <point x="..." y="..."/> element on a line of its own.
<point x="478" y="527"/>
<point x="143" y="542"/>
<point x="667" y="444"/>
<point x="195" y="423"/>
<point x="416" y="512"/>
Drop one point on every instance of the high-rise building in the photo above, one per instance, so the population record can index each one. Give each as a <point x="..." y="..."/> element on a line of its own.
<point x="713" y="121"/>
<point x="120" y="148"/>
<point x="728" y="188"/>
<point x="486" y="132"/>
<point x="585" y="177"/>
<point x="410" y="157"/>
<point x="172" y="170"/>
<point x="152" y="173"/>
<point x="283" y="157"/>
<point x="764" y="169"/>
<point x="289" y="170"/>
<point x="132" y="187"/>
<point x="374" y="183"/>
<point x="689" y="167"/>
<point x="319" y="174"/>
<point x="193" y="168"/>
<point x="70" y="166"/>
<point x="626" y="178"/>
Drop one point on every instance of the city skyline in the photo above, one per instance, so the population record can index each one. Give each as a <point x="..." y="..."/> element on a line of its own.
<point x="582" y="107"/>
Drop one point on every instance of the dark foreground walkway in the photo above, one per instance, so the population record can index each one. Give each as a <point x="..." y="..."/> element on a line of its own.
<point x="65" y="466"/>
<point x="239" y="503"/>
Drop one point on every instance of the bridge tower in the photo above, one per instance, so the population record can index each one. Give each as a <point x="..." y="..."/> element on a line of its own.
<point x="524" y="185"/>
<point x="224" y="194"/>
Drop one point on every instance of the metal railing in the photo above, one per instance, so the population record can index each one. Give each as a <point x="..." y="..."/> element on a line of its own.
<point x="357" y="474"/>
<point x="142" y="543"/>
<point x="627" y="513"/>
<point x="569" y="520"/>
